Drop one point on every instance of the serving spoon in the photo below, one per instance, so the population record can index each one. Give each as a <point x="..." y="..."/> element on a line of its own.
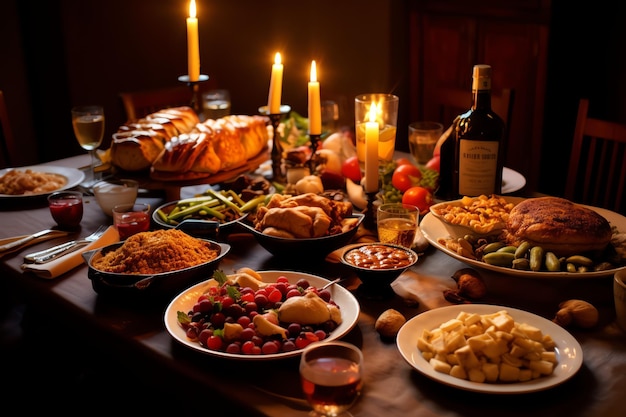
<point x="200" y="228"/>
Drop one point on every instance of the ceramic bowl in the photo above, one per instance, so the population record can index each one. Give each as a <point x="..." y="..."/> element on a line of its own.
<point x="196" y="225"/>
<point x="302" y="249"/>
<point x="149" y="286"/>
<point x="378" y="264"/>
<point x="111" y="193"/>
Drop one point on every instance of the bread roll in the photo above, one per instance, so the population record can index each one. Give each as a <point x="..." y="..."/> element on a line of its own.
<point x="136" y="150"/>
<point x="252" y="130"/>
<point x="557" y="225"/>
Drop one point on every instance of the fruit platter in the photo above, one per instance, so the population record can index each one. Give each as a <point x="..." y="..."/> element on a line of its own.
<point x="247" y="315"/>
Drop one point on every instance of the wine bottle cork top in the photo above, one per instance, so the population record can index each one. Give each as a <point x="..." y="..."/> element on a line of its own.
<point x="482" y="71"/>
<point x="481" y="77"/>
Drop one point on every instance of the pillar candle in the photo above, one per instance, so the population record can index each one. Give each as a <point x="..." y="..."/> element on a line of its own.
<point x="276" y="86"/>
<point x="315" y="109"/>
<point x="193" y="51"/>
<point x="371" y="152"/>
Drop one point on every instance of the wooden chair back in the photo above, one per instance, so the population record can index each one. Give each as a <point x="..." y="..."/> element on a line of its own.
<point x="8" y="147"/>
<point x="447" y="103"/>
<point x="138" y="104"/>
<point x="597" y="165"/>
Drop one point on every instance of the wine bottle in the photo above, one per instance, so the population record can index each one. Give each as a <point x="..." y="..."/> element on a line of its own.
<point x="446" y="189"/>
<point x="480" y="147"/>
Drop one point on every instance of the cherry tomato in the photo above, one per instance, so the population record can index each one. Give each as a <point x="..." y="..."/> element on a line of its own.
<point x="420" y="197"/>
<point x="350" y="169"/>
<point x="405" y="176"/>
<point x="403" y="161"/>
<point x="433" y="163"/>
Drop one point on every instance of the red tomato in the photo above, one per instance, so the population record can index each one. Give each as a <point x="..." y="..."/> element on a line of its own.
<point x="350" y="169"/>
<point x="405" y="176"/>
<point x="433" y="163"/>
<point x="420" y="197"/>
<point x="403" y="161"/>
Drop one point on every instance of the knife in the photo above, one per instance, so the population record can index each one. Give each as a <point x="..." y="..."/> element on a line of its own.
<point x="53" y="252"/>
<point x="24" y="240"/>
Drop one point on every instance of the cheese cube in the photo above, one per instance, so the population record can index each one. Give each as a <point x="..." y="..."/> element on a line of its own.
<point x="458" y="372"/>
<point x="531" y="331"/>
<point x="440" y="366"/>
<point x="508" y="373"/>
<point x="543" y="367"/>
<point x="450" y="325"/>
<point x="466" y="357"/>
<point x="503" y="322"/>
<point x="476" y="375"/>
<point x="549" y="356"/>
<point x="491" y="371"/>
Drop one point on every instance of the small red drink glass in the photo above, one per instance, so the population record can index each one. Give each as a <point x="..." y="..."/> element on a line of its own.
<point x="66" y="208"/>
<point x="130" y="219"/>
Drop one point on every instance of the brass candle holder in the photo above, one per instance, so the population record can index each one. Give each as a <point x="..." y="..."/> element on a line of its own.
<point x="194" y="86"/>
<point x="278" y="174"/>
<point x="315" y="140"/>
<point x="369" y="221"/>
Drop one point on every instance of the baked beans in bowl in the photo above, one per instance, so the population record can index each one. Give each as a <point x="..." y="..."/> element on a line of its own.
<point x="378" y="264"/>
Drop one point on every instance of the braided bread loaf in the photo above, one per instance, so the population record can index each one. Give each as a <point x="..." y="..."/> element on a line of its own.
<point x="174" y="145"/>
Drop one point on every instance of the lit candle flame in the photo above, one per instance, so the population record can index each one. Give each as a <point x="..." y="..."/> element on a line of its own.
<point x="277" y="58"/>
<point x="313" y="72"/>
<point x="192" y="8"/>
<point x="373" y="112"/>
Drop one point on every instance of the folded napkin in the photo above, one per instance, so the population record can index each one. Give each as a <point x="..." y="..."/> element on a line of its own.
<point x="70" y="261"/>
<point x="47" y="236"/>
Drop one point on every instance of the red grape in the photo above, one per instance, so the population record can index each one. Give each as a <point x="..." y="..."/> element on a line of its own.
<point x="214" y="342"/>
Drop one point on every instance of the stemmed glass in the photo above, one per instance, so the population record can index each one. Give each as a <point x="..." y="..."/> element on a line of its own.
<point x="88" y="124"/>
<point x="331" y="375"/>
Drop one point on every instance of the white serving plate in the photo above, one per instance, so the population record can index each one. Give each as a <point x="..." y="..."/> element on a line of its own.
<point x="347" y="303"/>
<point x="569" y="352"/>
<point x="432" y="228"/>
<point x="73" y="175"/>
<point x="512" y="181"/>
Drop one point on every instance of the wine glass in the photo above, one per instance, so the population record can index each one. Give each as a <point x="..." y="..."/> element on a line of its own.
<point x="88" y="124"/>
<point x="331" y="375"/>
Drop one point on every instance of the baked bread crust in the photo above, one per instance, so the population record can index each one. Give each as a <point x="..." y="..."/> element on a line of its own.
<point x="558" y="225"/>
<point x="136" y="150"/>
<point x="174" y="145"/>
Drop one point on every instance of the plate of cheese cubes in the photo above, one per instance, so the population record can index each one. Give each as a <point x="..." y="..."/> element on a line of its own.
<point x="489" y="349"/>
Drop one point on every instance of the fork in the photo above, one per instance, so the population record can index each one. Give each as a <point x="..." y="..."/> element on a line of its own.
<point x="64" y="248"/>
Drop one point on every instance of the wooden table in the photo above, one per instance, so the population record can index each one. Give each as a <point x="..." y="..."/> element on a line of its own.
<point x="137" y="334"/>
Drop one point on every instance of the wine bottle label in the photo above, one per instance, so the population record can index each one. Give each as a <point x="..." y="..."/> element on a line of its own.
<point x="478" y="161"/>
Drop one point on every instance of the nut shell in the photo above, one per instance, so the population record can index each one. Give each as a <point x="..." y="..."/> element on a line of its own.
<point x="389" y="322"/>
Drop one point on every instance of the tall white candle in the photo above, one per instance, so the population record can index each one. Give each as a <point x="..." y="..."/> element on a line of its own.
<point x="371" y="151"/>
<point x="315" y="108"/>
<point x="276" y="86"/>
<point x="193" y="44"/>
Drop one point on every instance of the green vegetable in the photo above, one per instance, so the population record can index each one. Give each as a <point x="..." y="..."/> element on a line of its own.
<point x="536" y="258"/>
<point x="252" y="204"/>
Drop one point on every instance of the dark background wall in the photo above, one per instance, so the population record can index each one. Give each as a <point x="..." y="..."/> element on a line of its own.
<point x="58" y="53"/>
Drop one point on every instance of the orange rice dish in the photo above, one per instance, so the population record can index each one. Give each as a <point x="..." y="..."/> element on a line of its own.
<point x="156" y="252"/>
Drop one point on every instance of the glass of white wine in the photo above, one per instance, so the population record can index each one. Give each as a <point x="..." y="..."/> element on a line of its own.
<point x="88" y="124"/>
<point x="331" y="375"/>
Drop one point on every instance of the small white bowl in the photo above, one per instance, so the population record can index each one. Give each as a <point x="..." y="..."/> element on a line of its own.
<point x="111" y="193"/>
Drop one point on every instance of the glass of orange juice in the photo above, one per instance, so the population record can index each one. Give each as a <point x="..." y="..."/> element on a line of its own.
<point x="387" y="118"/>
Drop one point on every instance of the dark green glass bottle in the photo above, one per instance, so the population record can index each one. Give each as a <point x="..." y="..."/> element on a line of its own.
<point x="480" y="147"/>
